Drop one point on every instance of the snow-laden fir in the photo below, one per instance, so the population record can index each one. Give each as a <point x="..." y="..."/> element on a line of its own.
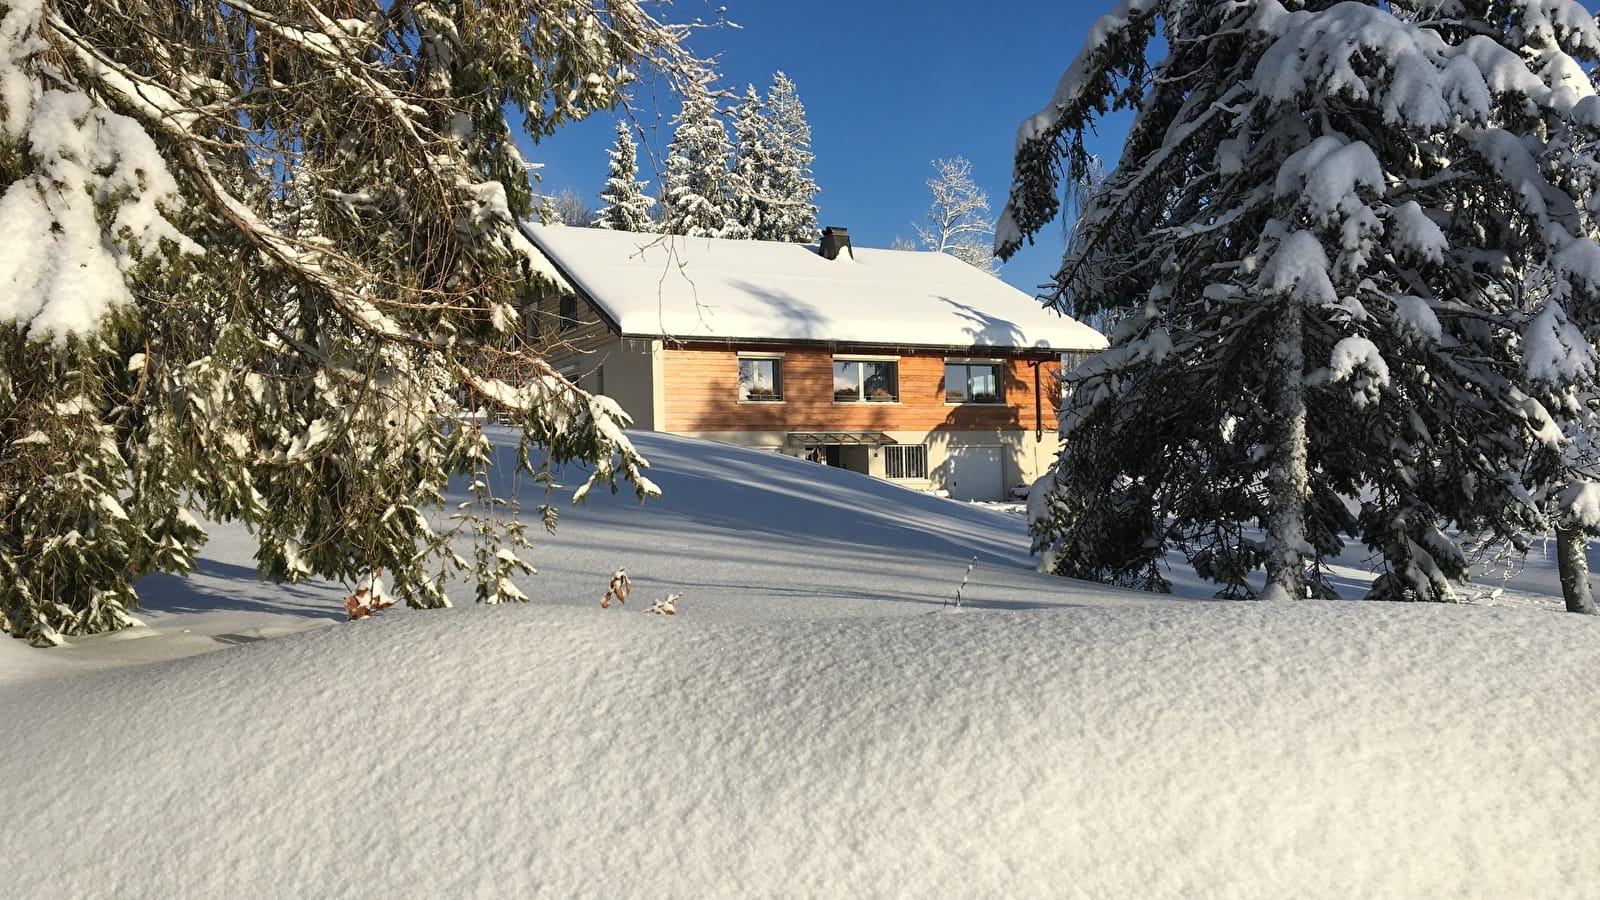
<point x="787" y="191"/>
<point x="1349" y="253"/>
<point x="755" y="187"/>
<point x="696" y="197"/>
<point x="213" y="293"/>
<point x="624" y="204"/>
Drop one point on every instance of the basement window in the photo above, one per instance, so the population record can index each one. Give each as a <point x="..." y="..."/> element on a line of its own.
<point x="905" y="461"/>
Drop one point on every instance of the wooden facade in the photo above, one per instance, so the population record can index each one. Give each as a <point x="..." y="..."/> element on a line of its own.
<point x="701" y="383"/>
<point x="558" y="323"/>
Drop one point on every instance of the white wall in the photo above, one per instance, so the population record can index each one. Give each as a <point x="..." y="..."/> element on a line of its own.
<point x="624" y="370"/>
<point x="1023" y="458"/>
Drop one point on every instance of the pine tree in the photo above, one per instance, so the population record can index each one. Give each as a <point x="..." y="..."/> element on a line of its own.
<point x="1322" y="225"/>
<point x="626" y="205"/>
<point x="252" y="253"/>
<point x="750" y="198"/>
<point x="696" y="201"/>
<point x="788" y="212"/>
<point x="1564" y="477"/>
<point x="958" y="217"/>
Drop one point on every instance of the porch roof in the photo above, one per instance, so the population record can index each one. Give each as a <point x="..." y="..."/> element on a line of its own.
<point x="804" y="438"/>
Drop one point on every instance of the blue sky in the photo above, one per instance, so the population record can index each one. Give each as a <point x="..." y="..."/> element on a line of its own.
<point x="888" y="87"/>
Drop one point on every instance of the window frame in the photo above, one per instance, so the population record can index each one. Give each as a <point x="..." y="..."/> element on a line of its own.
<point x="895" y="458"/>
<point x="567" y="311"/>
<point x="777" y="377"/>
<point x="861" y="379"/>
<point x="968" y="364"/>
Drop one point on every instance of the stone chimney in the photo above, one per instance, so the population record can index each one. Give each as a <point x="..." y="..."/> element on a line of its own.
<point x="835" y="240"/>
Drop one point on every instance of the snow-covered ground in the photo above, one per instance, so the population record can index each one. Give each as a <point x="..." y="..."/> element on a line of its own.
<point x="815" y="721"/>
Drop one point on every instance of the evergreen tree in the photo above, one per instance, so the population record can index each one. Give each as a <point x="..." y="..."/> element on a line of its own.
<point x="1322" y="227"/>
<point x="626" y="205"/>
<point x="252" y="253"/>
<point x="958" y="218"/>
<point x="1564" y="477"/>
<point x="788" y="213"/>
<point x="696" y="200"/>
<point x="750" y="198"/>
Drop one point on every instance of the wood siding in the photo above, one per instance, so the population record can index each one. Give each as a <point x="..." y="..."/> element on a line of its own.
<point x="554" y="337"/>
<point x="702" y="393"/>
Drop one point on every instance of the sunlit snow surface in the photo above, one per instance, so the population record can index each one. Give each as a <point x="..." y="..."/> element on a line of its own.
<point x="814" y="722"/>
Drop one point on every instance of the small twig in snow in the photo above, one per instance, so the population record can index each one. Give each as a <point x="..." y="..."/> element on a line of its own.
<point x="963" y="585"/>
<point x="618" y="589"/>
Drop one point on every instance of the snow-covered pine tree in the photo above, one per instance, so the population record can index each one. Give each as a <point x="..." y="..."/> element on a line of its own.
<point x="252" y="251"/>
<point x="958" y="220"/>
<point x="750" y="175"/>
<point x="1321" y="229"/>
<point x="1564" y="477"/>
<point x="696" y="198"/>
<point x="626" y="207"/>
<point x="789" y="213"/>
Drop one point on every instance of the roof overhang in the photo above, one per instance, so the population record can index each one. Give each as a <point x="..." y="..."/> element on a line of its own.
<point x="973" y="351"/>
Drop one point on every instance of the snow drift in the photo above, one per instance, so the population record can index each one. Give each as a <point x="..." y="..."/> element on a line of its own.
<point x="1313" y="749"/>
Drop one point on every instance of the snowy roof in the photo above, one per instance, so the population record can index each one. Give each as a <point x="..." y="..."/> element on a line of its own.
<point x="721" y="289"/>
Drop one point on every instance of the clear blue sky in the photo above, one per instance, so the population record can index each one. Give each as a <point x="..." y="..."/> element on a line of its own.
<point x="888" y="86"/>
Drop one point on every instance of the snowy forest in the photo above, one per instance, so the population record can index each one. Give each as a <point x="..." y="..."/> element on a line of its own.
<point x="259" y="260"/>
<point x="755" y="186"/>
<point x="1350" y="254"/>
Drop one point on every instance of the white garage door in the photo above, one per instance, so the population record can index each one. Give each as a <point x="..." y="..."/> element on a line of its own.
<point x="975" y="474"/>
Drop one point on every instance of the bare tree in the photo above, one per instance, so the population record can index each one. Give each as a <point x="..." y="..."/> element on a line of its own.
<point x="959" y="222"/>
<point x="567" y="207"/>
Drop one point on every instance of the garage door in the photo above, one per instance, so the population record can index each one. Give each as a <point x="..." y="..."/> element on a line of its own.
<point x="975" y="474"/>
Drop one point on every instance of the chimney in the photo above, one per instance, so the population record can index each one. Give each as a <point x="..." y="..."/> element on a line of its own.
<point x="833" y="241"/>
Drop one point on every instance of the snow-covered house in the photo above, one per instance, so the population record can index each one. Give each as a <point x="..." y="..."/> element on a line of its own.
<point x="907" y="365"/>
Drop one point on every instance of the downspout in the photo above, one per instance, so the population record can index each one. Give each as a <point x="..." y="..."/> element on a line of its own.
<point x="1038" y="404"/>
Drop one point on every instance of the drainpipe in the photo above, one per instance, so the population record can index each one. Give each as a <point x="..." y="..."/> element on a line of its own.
<point x="1038" y="404"/>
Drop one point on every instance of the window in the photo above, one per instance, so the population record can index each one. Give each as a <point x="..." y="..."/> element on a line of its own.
<point x="905" y="461"/>
<point x="972" y="382"/>
<point x="866" y="381"/>
<point x="760" y="379"/>
<point x="569" y="311"/>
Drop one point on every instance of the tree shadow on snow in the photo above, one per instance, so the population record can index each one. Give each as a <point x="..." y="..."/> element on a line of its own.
<point x="217" y="586"/>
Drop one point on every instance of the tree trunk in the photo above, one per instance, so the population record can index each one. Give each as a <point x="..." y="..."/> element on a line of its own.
<point x="1286" y="478"/>
<point x="1573" y="563"/>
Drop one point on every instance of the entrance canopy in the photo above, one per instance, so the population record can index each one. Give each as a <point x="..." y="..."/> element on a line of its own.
<point x="826" y="438"/>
